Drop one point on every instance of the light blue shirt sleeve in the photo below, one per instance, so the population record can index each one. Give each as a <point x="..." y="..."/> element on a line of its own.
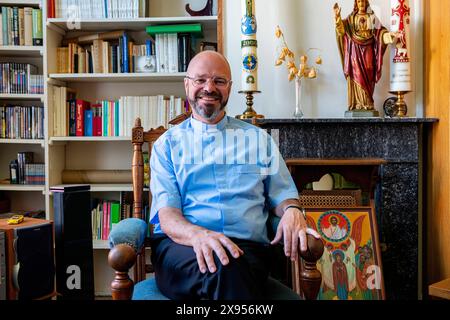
<point x="278" y="185"/>
<point x="163" y="182"/>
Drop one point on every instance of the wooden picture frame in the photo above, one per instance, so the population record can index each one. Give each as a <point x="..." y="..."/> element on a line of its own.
<point x="351" y="263"/>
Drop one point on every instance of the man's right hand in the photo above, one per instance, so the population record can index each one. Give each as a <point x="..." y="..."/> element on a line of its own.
<point x="205" y="242"/>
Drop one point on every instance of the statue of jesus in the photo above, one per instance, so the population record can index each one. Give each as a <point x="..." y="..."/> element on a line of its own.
<point x="362" y="42"/>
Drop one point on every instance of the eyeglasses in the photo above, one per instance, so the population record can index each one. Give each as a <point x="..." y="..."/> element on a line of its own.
<point x="201" y="82"/>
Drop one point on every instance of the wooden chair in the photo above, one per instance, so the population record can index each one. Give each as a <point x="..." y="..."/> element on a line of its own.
<point x="128" y="243"/>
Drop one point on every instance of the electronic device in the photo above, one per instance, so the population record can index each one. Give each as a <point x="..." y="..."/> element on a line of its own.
<point x="73" y="242"/>
<point x="29" y="259"/>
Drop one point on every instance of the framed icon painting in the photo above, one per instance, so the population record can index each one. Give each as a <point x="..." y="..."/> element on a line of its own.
<point x="351" y="263"/>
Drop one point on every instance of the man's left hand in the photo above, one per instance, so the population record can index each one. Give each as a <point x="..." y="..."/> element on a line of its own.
<point x="292" y="228"/>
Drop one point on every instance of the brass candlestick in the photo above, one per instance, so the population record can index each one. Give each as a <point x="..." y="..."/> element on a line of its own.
<point x="249" y="113"/>
<point x="401" y="109"/>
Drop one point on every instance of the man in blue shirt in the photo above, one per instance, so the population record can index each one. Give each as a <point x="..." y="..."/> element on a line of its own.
<point x="213" y="181"/>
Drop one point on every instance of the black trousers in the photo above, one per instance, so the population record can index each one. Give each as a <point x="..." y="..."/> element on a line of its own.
<point x="179" y="278"/>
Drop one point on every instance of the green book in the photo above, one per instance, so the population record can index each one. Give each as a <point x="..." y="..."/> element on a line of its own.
<point x="115" y="213"/>
<point x="194" y="28"/>
<point x="37" y="27"/>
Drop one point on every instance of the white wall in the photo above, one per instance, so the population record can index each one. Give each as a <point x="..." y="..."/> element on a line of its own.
<point x="309" y="24"/>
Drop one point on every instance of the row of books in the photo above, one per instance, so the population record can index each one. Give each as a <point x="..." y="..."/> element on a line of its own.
<point x="117" y="52"/>
<point x="117" y="56"/>
<point x="21" y="26"/>
<point x="109" y="118"/>
<point x="173" y="52"/>
<point x="20" y="78"/>
<point x="106" y="214"/>
<point x="21" y="122"/>
<point x="97" y="9"/>
<point x="24" y="171"/>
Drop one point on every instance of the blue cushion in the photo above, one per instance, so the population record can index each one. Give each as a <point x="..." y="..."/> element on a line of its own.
<point x="148" y="290"/>
<point x="131" y="231"/>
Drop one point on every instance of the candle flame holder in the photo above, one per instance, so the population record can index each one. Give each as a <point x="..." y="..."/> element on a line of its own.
<point x="249" y="113"/>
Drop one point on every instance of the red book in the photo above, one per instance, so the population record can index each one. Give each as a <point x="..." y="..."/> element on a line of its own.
<point x="51" y="9"/>
<point x="81" y="107"/>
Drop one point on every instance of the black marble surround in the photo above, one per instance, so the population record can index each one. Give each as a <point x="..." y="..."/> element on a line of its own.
<point x="401" y="143"/>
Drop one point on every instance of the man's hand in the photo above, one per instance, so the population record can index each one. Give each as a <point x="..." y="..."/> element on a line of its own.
<point x="292" y="228"/>
<point x="204" y="242"/>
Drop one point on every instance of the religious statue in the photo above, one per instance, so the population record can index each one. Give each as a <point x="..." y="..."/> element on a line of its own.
<point x="362" y="42"/>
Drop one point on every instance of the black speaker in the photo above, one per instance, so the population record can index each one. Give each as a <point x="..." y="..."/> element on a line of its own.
<point x="28" y="259"/>
<point x="73" y="242"/>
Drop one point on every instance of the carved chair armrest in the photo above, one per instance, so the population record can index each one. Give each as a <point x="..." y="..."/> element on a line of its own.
<point x="309" y="277"/>
<point x="125" y="240"/>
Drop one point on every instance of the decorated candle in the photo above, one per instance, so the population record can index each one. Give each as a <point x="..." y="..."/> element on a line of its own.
<point x="249" y="46"/>
<point x="401" y="53"/>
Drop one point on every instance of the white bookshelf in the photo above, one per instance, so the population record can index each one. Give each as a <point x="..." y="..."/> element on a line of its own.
<point x="24" y="197"/>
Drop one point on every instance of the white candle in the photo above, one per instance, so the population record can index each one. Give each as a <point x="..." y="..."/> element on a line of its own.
<point x="401" y="53"/>
<point x="249" y="45"/>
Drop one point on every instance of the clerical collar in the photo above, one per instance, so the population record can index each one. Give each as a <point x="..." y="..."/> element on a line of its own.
<point x="204" y="127"/>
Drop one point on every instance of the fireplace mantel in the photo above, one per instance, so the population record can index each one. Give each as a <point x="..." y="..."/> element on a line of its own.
<point x="401" y="142"/>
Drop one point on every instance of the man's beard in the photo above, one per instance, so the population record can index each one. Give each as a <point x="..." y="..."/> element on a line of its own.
<point x="208" y="111"/>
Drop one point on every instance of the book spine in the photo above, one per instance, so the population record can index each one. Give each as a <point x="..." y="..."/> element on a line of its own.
<point x="125" y="54"/>
<point x="37" y="27"/>
<point x="21" y="27"/>
<point x="72" y="118"/>
<point x="81" y="107"/>
<point x="28" y="25"/>
<point x="15" y="26"/>
<point x="5" y="26"/>
<point x="88" y="125"/>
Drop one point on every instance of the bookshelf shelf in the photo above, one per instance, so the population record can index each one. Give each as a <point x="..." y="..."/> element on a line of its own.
<point x="100" y="244"/>
<point x="23" y="141"/>
<point x="111" y="187"/>
<point x="10" y="96"/>
<point x="33" y="3"/>
<point x="21" y="187"/>
<point x="118" y="77"/>
<point x="55" y="140"/>
<point x="21" y="51"/>
<point x="137" y="24"/>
